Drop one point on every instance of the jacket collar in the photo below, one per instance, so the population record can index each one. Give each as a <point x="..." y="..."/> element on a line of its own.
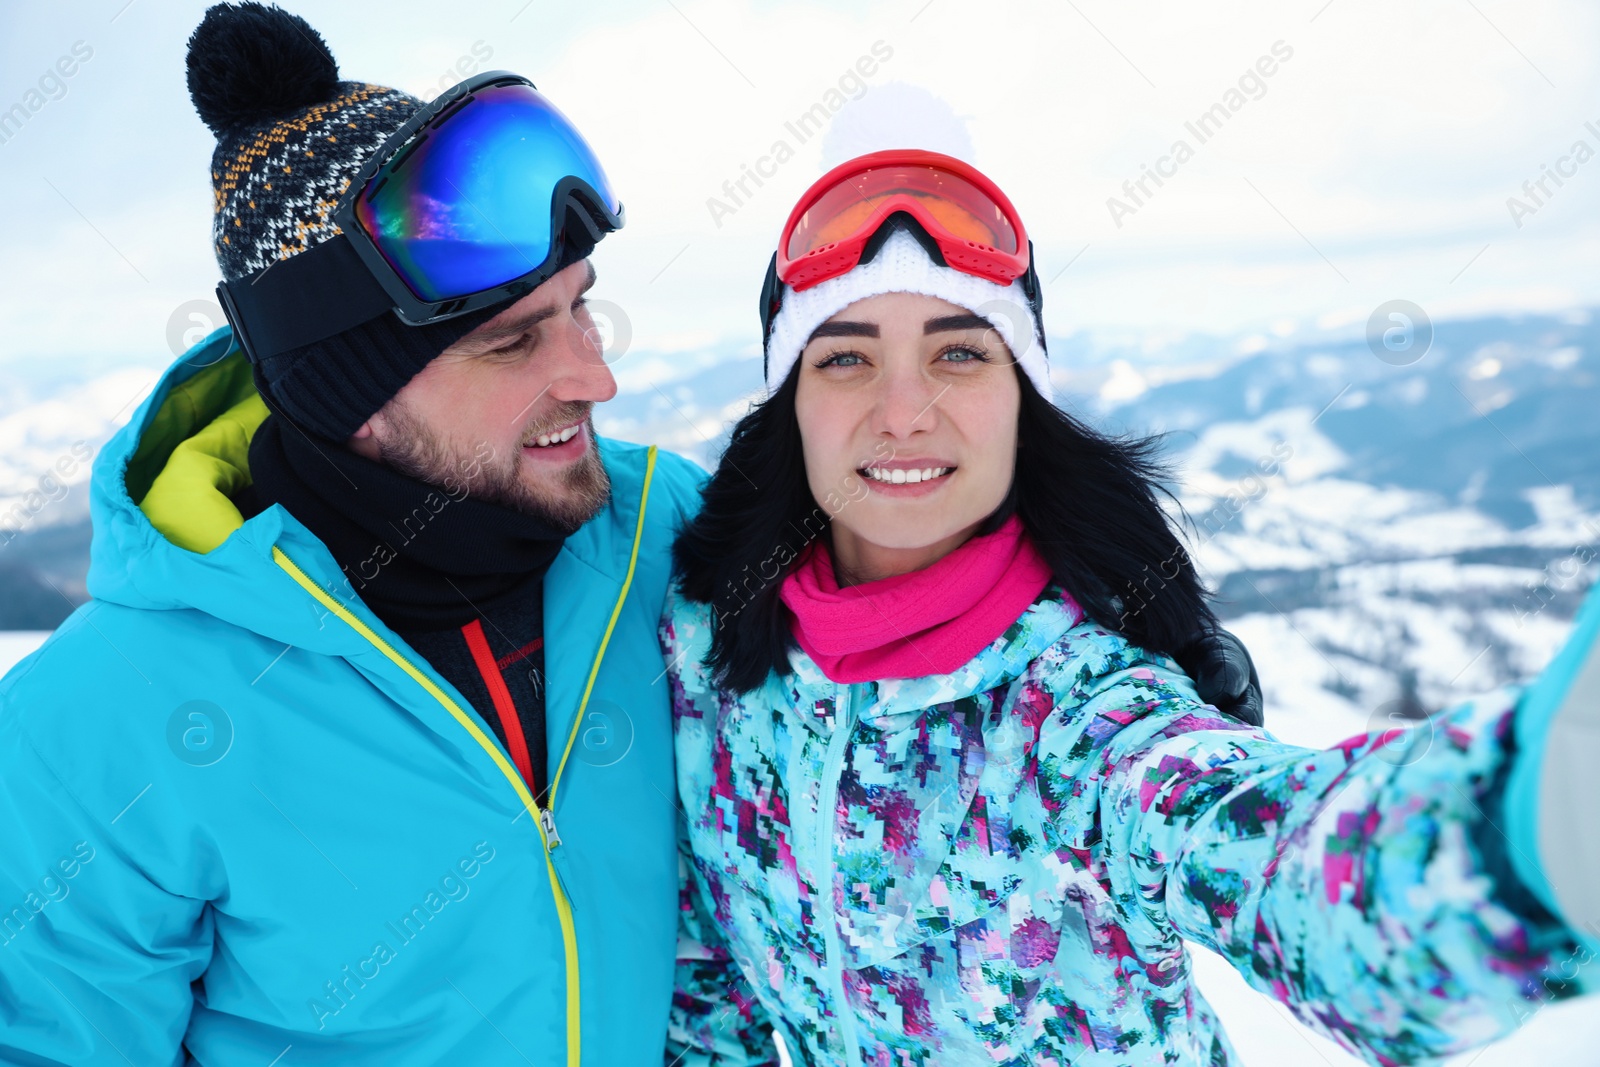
<point x="896" y="703"/>
<point x="200" y="554"/>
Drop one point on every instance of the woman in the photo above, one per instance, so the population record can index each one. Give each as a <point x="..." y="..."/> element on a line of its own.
<point x="949" y="800"/>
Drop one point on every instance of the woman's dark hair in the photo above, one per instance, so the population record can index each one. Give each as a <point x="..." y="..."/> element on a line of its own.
<point x="1088" y="501"/>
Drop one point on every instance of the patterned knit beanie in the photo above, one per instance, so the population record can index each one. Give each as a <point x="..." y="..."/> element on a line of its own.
<point x="290" y="137"/>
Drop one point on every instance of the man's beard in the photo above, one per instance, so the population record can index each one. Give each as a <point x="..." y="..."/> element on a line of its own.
<point x="415" y="451"/>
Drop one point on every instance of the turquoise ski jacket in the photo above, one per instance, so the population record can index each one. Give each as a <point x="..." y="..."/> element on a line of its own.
<point x="245" y="823"/>
<point x="999" y="866"/>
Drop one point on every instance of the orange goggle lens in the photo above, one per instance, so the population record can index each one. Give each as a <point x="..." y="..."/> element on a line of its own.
<point x="961" y="208"/>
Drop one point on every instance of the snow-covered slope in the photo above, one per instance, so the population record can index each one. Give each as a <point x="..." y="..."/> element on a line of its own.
<point x="1390" y="539"/>
<point x="53" y="420"/>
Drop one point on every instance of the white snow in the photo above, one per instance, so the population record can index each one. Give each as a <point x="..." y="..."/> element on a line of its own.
<point x="16" y="644"/>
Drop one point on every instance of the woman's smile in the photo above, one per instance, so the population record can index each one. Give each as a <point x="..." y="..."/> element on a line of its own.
<point x="908" y="478"/>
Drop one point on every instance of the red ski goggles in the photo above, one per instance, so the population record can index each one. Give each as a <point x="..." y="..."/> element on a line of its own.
<point x="959" y="212"/>
<point x="965" y="214"/>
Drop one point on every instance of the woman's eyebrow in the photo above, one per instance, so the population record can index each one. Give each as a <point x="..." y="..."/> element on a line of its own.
<point x="955" y="322"/>
<point x="844" y="329"/>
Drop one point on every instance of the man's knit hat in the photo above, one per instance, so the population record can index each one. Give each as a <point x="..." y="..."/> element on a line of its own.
<point x="902" y="265"/>
<point x="290" y="138"/>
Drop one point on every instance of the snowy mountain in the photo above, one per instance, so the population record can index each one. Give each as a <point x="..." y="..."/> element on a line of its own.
<point x="53" y="420"/>
<point x="1424" y="532"/>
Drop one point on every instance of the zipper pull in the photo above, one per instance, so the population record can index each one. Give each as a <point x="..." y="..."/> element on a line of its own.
<point x="547" y="820"/>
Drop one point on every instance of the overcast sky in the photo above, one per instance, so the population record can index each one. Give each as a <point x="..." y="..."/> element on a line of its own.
<point x="1375" y="162"/>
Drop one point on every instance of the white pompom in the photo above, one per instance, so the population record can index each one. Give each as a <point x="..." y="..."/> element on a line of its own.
<point x="896" y="115"/>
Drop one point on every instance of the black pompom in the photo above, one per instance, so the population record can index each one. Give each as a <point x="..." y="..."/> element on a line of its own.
<point x="250" y="62"/>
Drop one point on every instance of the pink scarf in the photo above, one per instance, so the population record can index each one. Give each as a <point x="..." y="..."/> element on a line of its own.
<point x="928" y="622"/>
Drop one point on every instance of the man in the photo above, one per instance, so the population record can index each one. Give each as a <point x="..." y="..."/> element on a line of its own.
<point x="275" y="794"/>
<point x="361" y="751"/>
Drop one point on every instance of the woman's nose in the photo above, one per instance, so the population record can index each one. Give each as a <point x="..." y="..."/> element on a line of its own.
<point x="907" y="403"/>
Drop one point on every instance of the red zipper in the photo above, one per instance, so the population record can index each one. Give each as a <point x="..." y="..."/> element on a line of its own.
<point x="510" y="721"/>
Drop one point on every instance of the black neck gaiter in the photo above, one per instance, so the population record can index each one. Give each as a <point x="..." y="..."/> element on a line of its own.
<point x="422" y="557"/>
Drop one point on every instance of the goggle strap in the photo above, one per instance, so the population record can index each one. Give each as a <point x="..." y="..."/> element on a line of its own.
<point x="771" y="302"/>
<point x="1031" y="287"/>
<point x="901" y="220"/>
<point x="303" y="299"/>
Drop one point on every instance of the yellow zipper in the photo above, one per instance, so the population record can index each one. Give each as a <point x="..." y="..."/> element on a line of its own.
<point x="611" y="624"/>
<point x="543" y="818"/>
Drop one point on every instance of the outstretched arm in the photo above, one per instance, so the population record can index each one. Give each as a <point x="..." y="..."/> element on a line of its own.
<point x="1370" y="887"/>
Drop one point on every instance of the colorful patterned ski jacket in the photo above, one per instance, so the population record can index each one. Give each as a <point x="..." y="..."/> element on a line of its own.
<point x="999" y="866"/>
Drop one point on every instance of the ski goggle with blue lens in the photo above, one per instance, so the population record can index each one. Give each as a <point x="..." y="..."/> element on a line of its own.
<point x="484" y="194"/>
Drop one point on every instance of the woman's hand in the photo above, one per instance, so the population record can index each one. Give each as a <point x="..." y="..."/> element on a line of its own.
<point x="1553" y="797"/>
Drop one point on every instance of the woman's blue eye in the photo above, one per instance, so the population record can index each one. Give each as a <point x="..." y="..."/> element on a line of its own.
<point x="842" y="359"/>
<point x="962" y="355"/>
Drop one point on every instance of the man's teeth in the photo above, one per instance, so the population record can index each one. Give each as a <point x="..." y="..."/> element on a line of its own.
<point x="905" y="477"/>
<point x="545" y="440"/>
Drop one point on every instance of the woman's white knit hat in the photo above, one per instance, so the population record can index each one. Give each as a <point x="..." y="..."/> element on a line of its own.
<point x="903" y="266"/>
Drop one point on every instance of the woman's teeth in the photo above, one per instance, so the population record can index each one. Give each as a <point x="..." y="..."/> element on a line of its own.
<point x="545" y="440"/>
<point x="904" y="477"/>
